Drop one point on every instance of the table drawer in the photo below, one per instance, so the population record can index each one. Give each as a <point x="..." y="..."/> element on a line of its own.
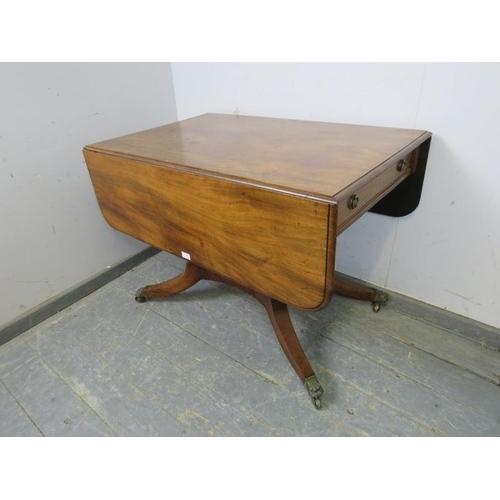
<point x="358" y="198"/>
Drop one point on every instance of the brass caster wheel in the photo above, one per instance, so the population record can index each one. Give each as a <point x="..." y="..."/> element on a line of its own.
<point x="314" y="389"/>
<point x="380" y="298"/>
<point x="139" y="296"/>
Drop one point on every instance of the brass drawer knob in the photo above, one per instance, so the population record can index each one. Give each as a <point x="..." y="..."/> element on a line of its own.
<point x="401" y="165"/>
<point x="353" y="201"/>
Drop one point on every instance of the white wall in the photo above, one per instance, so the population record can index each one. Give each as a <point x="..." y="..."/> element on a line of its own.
<point x="52" y="235"/>
<point x="447" y="253"/>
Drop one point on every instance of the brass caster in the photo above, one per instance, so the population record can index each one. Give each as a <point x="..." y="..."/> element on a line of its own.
<point x="139" y="295"/>
<point x="314" y="389"/>
<point x="380" y="298"/>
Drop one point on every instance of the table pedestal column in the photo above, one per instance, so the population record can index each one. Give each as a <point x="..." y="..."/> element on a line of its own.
<point x="276" y="310"/>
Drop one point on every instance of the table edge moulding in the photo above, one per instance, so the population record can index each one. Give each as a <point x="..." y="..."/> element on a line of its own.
<point x="258" y="203"/>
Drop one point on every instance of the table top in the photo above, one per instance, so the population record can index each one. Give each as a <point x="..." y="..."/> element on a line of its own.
<point x="259" y="201"/>
<point x="312" y="158"/>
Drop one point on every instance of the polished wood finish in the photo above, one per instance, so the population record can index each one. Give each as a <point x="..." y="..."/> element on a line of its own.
<point x="276" y="310"/>
<point x="270" y="242"/>
<point x="191" y="275"/>
<point x="258" y="200"/>
<point x="296" y="156"/>
<point x="347" y="288"/>
<point x="258" y="203"/>
<point x="370" y="190"/>
<point x="405" y="197"/>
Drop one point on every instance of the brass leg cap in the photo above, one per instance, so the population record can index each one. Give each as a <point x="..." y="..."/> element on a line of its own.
<point x="314" y="389"/>
<point x="380" y="298"/>
<point x="140" y="296"/>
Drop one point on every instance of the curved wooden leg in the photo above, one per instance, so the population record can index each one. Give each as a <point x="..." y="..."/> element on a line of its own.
<point x="191" y="275"/>
<point x="282" y="324"/>
<point x="277" y="311"/>
<point x="347" y="288"/>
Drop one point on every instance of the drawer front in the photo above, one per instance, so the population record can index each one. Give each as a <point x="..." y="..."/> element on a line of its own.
<point x="354" y="201"/>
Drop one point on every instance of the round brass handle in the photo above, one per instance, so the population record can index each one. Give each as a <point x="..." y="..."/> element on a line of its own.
<point x="401" y="165"/>
<point x="353" y="201"/>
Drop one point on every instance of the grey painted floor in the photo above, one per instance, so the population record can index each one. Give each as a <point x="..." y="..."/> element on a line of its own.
<point x="207" y="363"/>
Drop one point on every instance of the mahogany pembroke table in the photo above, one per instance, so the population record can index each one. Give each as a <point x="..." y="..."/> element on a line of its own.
<point x="258" y="203"/>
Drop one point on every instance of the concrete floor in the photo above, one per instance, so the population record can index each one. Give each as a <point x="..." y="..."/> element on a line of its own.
<point x="207" y="363"/>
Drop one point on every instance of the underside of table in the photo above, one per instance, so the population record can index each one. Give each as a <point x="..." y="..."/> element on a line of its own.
<point x="276" y="310"/>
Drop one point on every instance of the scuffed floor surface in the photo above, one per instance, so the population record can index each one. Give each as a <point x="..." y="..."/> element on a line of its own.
<point x="207" y="363"/>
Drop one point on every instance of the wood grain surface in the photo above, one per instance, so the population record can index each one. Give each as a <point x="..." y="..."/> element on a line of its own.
<point x="370" y="189"/>
<point x="273" y="243"/>
<point x="313" y="158"/>
<point x="259" y="201"/>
